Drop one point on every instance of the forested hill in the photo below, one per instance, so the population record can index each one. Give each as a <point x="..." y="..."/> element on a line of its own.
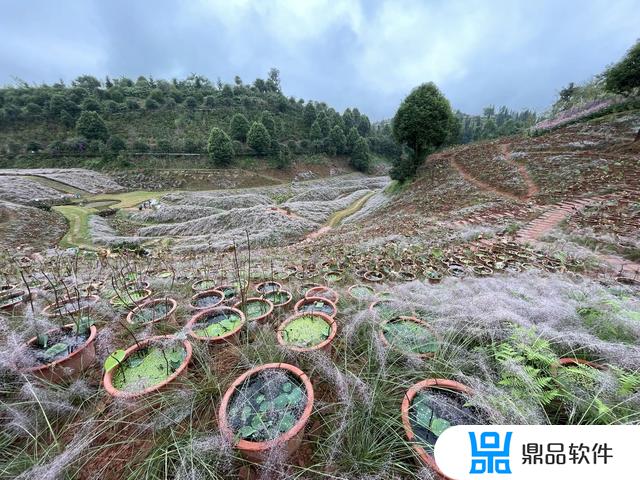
<point x="110" y="123"/>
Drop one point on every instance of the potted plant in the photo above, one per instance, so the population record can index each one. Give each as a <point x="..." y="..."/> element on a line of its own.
<point x="323" y="292"/>
<point x="433" y="275"/>
<point x="333" y="276"/>
<point x="430" y="407"/>
<point x="306" y="332"/>
<point x="267" y="408"/>
<point x="409" y="335"/>
<point x="153" y="311"/>
<point x="382" y="308"/>
<point x="279" y="298"/>
<point x="316" y="304"/>
<point x="146" y="367"/>
<point x="70" y="306"/>
<point x="373" y="276"/>
<point x="62" y="353"/>
<point x="207" y="299"/>
<point x="267" y="287"/>
<point x="129" y="298"/>
<point x="360" y="292"/>
<point x="12" y="299"/>
<point x="255" y="309"/>
<point x="216" y="325"/>
<point x="202" y="285"/>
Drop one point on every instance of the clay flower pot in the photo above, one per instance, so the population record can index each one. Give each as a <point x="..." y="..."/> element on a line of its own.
<point x="70" y="366"/>
<point x="306" y="305"/>
<point x="324" y="345"/>
<point x="373" y="276"/>
<point x="333" y="276"/>
<point x="289" y="441"/>
<point x="266" y="287"/>
<point x="435" y="383"/>
<point x="323" y="292"/>
<point x="12" y="299"/>
<point x="168" y="317"/>
<point x="70" y="306"/>
<point x="203" y="285"/>
<point x="229" y="337"/>
<point x="261" y="318"/>
<point x="424" y="324"/>
<point x="107" y="380"/>
<point x="217" y="295"/>
<point x="273" y="296"/>
<point x="124" y="299"/>
<point x="356" y="288"/>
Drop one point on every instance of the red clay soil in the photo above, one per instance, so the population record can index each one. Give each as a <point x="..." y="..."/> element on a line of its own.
<point x="532" y="188"/>
<point x="482" y="185"/>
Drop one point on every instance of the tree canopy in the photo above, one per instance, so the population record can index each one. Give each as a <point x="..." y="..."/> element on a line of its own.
<point x="624" y="76"/>
<point x="220" y="148"/>
<point x="259" y="139"/>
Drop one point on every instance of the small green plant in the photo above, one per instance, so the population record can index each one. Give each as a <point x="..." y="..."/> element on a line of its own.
<point x="306" y="331"/>
<point x="409" y="336"/>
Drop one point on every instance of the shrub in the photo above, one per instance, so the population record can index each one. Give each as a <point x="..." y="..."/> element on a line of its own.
<point x="91" y="126"/>
<point x="219" y="147"/>
<point x="360" y="157"/>
<point x="151" y="104"/>
<point x="259" y="139"/>
<point x="239" y="127"/>
<point x="140" y="146"/>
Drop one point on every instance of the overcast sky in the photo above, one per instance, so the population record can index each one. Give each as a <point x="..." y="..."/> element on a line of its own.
<point x="368" y="54"/>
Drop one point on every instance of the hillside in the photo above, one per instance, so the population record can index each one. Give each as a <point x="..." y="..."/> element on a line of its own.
<point x="157" y="122"/>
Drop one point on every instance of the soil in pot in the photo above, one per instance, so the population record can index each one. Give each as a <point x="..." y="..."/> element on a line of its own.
<point x="305" y="330"/>
<point x="266" y="405"/>
<point x="217" y="322"/>
<point x="148" y="367"/>
<point x="333" y="276"/>
<point x="410" y="335"/>
<point x="316" y="304"/>
<point x="279" y="298"/>
<point x="373" y="276"/>
<point x="433" y="410"/>
<point x="207" y="299"/>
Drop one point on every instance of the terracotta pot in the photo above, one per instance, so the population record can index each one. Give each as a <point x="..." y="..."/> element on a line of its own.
<point x="290" y="441"/>
<point x="387" y="344"/>
<point x="311" y="300"/>
<point x="305" y="287"/>
<point x="7" y="287"/>
<point x="373" y="276"/>
<point x="169" y="317"/>
<point x="206" y="293"/>
<point x="268" y="286"/>
<point x="125" y="296"/>
<point x="353" y="287"/>
<point x="196" y="286"/>
<point x="107" y="380"/>
<point x="229" y="337"/>
<point x="435" y="383"/>
<point x="49" y="310"/>
<point x="323" y="292"/>
<point x="17" y="299"/>
<point x="262" y="318"/>
<point x="70" y="366"/>
<point x="324" y="346"/>
<point x="279" y="305"/>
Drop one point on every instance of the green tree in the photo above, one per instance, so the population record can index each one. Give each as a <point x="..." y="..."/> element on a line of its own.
<point x="352" y="138"/>
<point x="316" y="132"/>
<point x="267" y="120"/>
<point x="91" y="126"/>
<point x="309" y="115"/>
<point x="360" y="157"/>
<point x="337" y="140"/>
<point x="259" y="139"/>
<point x="283" y="159"/>
<point x="624" y="76"/>
<point x="323" y="121"/>
<point x="364" y="125"/>
<point x="422" y="122"/>
<point x="220" y="148"/>
<point x="239" y="127"/>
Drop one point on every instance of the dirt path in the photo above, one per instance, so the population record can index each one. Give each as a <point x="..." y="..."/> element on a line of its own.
<point x="482" y="185"/>
<point x="339" y="216"/>
<point x="532" y="188"/>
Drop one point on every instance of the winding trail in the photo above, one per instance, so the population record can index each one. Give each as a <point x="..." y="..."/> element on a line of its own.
<point x="532" y="188"/>
<point x="339" y="216"/>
